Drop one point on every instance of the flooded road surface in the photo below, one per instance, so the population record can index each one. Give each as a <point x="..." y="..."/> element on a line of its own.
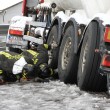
<point x="54" y="95"/>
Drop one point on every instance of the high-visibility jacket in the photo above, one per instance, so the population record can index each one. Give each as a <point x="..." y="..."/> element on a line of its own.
<point x="34" y="57"/>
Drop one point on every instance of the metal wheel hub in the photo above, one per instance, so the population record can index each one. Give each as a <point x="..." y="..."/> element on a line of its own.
<point x="84" y="57"/>
<point x="50" y="52"/>
<point x="66" y="53"/>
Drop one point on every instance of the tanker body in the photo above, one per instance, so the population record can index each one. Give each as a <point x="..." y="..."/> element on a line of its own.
<point x="79" y="34"/>
<point x="91" y="7"/>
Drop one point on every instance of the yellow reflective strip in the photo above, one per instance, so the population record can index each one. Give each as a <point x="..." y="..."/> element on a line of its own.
<point x="33" y="52"/>
<point x="9" y="56"/>
<point x="42" y="66"/>
<point x="24" y="77"/>
<point x="35" y="61"/>
<point x="46" y="46"/>
<point x="1" y="71"/>
<point x="24" y="74"/>
<point x="51" y="71"/>
<point x="5" y="54"/>
<point x="17" y="57"/>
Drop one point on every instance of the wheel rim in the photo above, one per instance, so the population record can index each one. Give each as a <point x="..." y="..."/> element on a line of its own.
<point x="84" y="57"/>
<point x="66" y="53"/>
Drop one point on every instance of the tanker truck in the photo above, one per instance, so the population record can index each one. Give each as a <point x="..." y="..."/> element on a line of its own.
<point x="79" y="34"/>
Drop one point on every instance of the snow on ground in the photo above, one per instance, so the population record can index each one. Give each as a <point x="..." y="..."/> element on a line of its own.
<point x="54" y="95"/>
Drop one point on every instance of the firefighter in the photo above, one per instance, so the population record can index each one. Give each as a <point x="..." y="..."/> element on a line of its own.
<point x="25" y="66"/>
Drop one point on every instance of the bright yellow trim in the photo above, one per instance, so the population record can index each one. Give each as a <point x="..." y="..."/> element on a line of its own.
<point x="35" y="61"/>
<point x="1" y="71"/>
<point x="9" y="56"/>
<point x="51" y="71"/>
<point x="5" y="54"/>
<point x="24" y="75"/>
<point x="32" y="52"/>
<point x="46" y="46"/>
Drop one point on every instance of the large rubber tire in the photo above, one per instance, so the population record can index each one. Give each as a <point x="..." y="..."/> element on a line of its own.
<point x="88" y="76"/>
<point x="68" y="60"/>
<point x="53" y="36"/>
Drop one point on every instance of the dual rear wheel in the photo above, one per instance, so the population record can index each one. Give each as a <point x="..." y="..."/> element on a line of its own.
<point x="74" y="68"/>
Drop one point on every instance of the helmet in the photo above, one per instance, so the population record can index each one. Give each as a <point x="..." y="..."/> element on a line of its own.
<point x="28" y="71"/>
<point x="33" y="45"/>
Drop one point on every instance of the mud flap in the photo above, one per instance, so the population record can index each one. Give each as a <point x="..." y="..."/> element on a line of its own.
<point x="108" y="83"/>
<point x="106" y="71"/>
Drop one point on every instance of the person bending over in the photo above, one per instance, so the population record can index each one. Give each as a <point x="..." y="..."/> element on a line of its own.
<point x="28" y="65"/>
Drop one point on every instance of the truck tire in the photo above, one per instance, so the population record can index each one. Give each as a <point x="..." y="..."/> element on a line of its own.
<point x="68" y="60"/>
<point x="53" y="53"/>
<point x="89" y="77"/>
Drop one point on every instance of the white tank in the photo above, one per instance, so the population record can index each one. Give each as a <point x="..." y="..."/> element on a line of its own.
<point x="67" y="4"/>
<point x="91" y="7"/>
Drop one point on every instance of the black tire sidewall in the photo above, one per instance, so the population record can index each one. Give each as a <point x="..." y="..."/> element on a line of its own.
<point x="68" y="75"/>
<point x="54" y="32"/>
<point x="89" y="60"/>
<point x="88" y="79"/>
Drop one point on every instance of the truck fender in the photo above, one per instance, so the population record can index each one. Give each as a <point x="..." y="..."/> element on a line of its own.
<point x="57" y="21"/>
<point x="72" y="21"/>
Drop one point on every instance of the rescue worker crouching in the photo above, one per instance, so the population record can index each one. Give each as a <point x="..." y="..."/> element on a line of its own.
<point x="25" y="66"/>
